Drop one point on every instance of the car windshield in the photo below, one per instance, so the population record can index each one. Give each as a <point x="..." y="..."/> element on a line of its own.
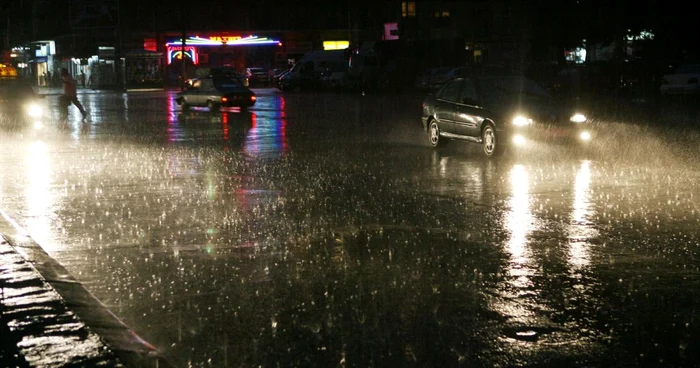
<point x="438" y="71"/>
<point x="228" y="83"/>
<point x="507" y="89"/>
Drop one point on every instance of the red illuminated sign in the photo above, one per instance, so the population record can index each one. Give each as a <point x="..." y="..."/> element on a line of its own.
<point x="149" y="44"/>
<point x="175" y="53"/>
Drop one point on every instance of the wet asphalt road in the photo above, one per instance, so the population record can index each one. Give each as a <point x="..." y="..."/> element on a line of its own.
<point x="321" y="230"/>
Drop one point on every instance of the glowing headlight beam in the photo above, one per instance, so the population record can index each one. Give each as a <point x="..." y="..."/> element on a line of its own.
<point x="521" y="120"/>
<point x="578" y="118"/>
<point x="585" y="136"/>
<point x="518" y="139"/>
<point x="34" y="110"/>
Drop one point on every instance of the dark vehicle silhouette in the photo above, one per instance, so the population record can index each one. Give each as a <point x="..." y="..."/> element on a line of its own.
<point x="500" y="111"/>
<point x="20" y="106"/>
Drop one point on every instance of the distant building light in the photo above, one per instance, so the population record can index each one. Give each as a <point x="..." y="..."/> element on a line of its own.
<point x="642" y="35"/>
<point x="391" y="31"/>
<point x="336" y="45"/>
<point x="444" y="14"/>
<point x="576" y="56"/>
<point x="408" y="9"/>
<point x="150" y="44"/>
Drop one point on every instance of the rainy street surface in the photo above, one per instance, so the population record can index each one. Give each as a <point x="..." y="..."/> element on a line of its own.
<point x="321" y="230"/>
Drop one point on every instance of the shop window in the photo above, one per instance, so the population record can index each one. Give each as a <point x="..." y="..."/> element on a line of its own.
<point x="408" y="9"/>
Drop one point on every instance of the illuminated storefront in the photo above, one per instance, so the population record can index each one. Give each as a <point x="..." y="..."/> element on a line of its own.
<point x="41" y="60"/>
<point x="217" y="50"/>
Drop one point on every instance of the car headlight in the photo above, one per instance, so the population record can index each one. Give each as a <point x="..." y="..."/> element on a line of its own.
<point x="585" y="136"/>
<point x="520" y="120"/>
<point x="577" y="118"/>
<point x="518" y="139"/>
<point x="34" y="110"/>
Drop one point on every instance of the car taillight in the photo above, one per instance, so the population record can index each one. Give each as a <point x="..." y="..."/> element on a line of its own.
<point x="253" y="98"/>
<point x="224" y="99"/>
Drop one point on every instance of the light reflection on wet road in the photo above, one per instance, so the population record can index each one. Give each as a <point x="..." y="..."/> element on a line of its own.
<point x="320" y="230"/>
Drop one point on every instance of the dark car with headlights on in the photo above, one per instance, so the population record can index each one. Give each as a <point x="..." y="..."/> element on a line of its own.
<point x="500" y="111"/>
<point x="216" y="92"/>
<point x="20" y="106"/>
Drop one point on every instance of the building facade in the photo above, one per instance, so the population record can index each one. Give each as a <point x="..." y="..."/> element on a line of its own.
<point x="468" y="32"/>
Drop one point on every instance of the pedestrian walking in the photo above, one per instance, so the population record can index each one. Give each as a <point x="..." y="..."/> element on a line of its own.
<point x="70" y="94"/>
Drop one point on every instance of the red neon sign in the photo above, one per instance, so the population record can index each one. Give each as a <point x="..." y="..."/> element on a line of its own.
<point x="175" y="53"/>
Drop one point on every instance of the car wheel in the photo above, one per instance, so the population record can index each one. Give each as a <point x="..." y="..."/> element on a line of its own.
<point x="213" y="106"/>
<point x="434" y="135"/>
<point x="490" y="143"/>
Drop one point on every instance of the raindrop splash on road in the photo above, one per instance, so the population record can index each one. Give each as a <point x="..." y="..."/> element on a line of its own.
<point x="298" y="234"/>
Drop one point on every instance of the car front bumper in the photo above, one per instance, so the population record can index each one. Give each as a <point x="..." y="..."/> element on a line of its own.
<point x="553" y="134"/>
<point x="21" y="117"/>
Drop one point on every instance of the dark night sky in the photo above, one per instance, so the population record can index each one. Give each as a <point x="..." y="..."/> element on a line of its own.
<point x="557" y="21"/>
<point x="259" y="14"/>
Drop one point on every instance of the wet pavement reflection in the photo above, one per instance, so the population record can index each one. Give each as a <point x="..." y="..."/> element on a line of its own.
<point x="320" y="230"/>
